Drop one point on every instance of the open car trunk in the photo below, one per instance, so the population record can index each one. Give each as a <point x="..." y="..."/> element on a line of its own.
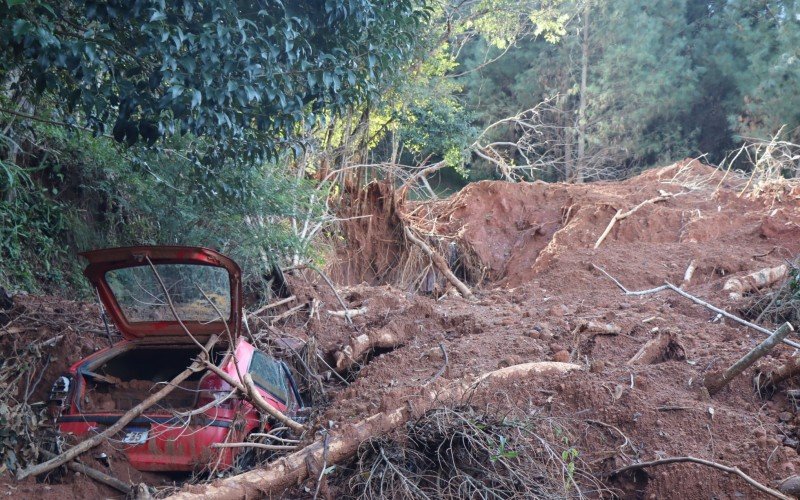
<point x="117" y="383"/>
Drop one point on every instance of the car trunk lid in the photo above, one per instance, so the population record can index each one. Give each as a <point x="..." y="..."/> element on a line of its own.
<point x="203" y="286"/>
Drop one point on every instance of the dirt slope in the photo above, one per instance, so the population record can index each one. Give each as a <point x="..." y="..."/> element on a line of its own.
<point x="530" y="255"/>
<point x="534" y="243"/>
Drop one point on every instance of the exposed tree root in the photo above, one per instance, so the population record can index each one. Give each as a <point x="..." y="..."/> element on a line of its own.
<point x="439" y="262"/>
<point x="344" y="444"/>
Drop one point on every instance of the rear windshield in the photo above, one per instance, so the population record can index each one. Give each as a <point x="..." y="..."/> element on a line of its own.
<point x="141" y="297"/>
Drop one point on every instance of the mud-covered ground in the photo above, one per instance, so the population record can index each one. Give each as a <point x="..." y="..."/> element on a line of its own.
<point x="531" y="255"/>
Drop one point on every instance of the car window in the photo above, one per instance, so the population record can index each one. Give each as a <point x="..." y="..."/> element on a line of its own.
<point x="141" y="297"/>
<point x="268" y="374"/>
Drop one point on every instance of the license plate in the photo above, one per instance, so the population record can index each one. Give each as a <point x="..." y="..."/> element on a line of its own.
<point x="135" y="435"/>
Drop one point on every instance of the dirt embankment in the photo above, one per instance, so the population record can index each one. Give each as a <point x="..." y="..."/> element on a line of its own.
<point x="528" y="252"/>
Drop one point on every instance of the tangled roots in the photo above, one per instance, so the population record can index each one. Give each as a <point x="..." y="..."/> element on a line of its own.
<point x="463" y="453"/>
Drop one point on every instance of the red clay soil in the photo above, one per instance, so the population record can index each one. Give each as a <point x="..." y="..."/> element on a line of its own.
<point x="531" y="256"/>
<point x="535" y="242"/>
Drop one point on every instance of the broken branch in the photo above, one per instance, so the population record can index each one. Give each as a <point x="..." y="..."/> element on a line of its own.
<point x="94" y="474"/>
<point x="655" y="349"/>
<point x="272" y="305"/>
<point x="439" y="262"/>
<point x="124" y="420"/>
<point x="348" y="313"/>
<point x="249" y="390"/>
<point x="733" y="470"/>
<point x="260" y="446"/>
<point x="623" y="215"/>
<point x="715" y="384"/>
<point x="330" y="285"/>
<point x="737" y="287"/>
<point x="687" y="276"/>
<point x="286" y="314"/>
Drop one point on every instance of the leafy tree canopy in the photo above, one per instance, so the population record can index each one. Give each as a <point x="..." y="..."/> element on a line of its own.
<point x="247" y="74"/>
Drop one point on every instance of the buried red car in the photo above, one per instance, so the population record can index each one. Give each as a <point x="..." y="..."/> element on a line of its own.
<point x="177" y="433"/>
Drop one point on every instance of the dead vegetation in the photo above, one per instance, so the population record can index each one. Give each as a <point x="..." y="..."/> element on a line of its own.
<point x="463" y="452"/>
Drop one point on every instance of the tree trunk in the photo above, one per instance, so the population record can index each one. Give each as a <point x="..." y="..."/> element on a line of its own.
<point x="580" y="163"/>
<point x="341" y="445"/>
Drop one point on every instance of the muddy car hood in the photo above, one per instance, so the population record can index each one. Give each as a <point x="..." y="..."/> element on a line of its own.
<point x="106" y="266"/>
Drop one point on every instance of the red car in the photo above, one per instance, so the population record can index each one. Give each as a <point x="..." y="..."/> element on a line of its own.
<point x="176" y="434"/>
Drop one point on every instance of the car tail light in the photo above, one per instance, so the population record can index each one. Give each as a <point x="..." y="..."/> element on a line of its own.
<point x="58" y="401"/>
<point x="213" y="388"/>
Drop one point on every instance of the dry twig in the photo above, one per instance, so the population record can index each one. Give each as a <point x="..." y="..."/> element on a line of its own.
<point x="623" y="215"/>
<point x="732" y="470"/>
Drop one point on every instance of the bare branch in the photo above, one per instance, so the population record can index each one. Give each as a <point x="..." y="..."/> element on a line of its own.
<point x="733" y="470"/>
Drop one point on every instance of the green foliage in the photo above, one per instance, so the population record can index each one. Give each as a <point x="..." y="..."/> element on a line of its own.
<point x="206" y="103"/>
<point x="244" y="74"/>
<point x="666" y="80"/>
<point x="89" y="193"/>
<point x="32" y="226"/>
<point x="437" y="128"/>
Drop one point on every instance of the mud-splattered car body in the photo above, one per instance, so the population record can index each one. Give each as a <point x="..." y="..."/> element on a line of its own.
<point x="177" y="434"/>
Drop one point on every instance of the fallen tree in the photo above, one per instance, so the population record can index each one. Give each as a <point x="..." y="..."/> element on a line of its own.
<point x="737" y="287"/>
<point x="344" y="443"/>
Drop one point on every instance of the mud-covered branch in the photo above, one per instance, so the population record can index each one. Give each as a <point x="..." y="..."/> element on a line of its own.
<point x="715" y="383"/>
<point x="732" y="470"/>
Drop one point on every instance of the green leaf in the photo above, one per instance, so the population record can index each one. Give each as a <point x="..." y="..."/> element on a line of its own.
<point x="197" y="98"/>
<point x="21" y="27"/>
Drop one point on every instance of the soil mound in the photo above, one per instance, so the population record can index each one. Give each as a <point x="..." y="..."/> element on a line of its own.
<point x="521" y="231"/>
